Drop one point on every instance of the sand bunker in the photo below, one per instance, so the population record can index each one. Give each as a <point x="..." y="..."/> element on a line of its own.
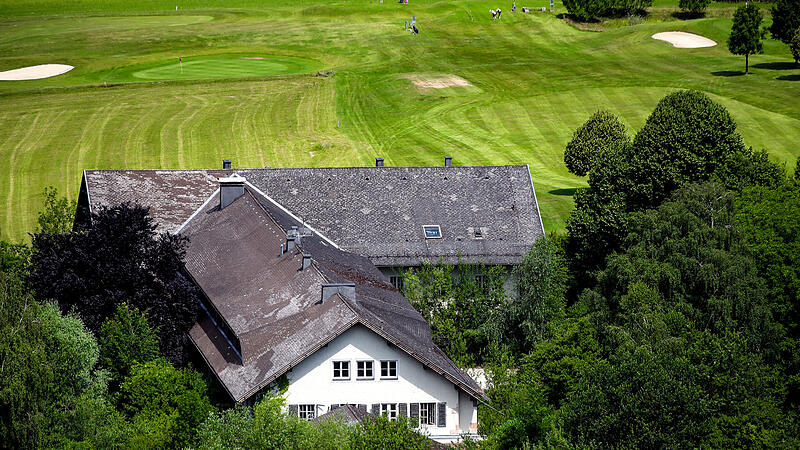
<point x="437" y="82"/>
<point x="35" y="72"/>
<point x="679" y="39"/>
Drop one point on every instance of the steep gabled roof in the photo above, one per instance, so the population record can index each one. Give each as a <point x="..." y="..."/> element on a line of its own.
<point x="265" y="309"/>
<point x="377" y="212"/>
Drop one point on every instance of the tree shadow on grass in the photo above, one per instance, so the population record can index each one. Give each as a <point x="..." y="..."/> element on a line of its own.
<point x="687" y="15"/>
<point x="795" y="77"/>
<point x="569" y="192"/>
<point x="727" y="73"/>
<point x="783" y="65"/>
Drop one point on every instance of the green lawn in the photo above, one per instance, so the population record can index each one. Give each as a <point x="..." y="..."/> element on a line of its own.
<point x="533" y="78"/>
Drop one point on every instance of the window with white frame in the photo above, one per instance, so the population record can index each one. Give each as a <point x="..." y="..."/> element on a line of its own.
<point x="341" y="370"/>
<point x="389" y="369"/>
<point x="389" y="410"/>
<point x="307" y="412"/>
<point x="364" y="370"/>
<point x="427" y="413"/>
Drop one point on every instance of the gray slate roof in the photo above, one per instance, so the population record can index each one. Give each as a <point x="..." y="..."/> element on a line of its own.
<point x="269" y="309"/>
<point x="377" y="212"/>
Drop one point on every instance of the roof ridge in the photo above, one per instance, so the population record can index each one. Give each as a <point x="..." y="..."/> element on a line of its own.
<point x="291" y="214"/>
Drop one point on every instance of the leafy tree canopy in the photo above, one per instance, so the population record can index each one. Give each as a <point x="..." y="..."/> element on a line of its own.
<point x="591" y="140"/>
<point x="126" y="340"/>
<point x="175" y="400"/>
<point x="120" y="258"/>
<point x="785" y="20"/>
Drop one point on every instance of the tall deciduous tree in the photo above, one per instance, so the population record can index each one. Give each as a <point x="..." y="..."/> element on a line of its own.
<point x="785" y="19"/>
<point x="120" y="258"/>
<point x="746" y="33"/>
<point x="794" y="45"/>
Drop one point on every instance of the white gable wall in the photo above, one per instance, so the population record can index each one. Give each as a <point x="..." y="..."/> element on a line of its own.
<point x="311" y="382"/>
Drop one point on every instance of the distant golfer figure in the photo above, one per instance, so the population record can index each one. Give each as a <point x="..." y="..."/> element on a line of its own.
<point x="494" y="14"/>
<point x="414" y="29"/>
<point x="499" y="11"/>
<point x="513" y="6"/>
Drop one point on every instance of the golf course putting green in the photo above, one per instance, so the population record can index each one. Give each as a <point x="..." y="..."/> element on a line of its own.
<point x="228" y="66"/>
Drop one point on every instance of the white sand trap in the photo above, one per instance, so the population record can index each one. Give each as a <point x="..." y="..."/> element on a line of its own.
<point x="679" y="39"/>
<point x="437" y="82"/>
<point x="35" y="72"/>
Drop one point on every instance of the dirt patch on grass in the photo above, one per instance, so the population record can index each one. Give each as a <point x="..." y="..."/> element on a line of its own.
<point x="253" y="57"/>
<point x="437" y="82"/>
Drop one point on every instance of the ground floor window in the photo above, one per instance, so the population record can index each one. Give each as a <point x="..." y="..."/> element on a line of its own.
<point x="427" y="413"/>
<point x="307" y="412"/>
<point x="389" y="410"/>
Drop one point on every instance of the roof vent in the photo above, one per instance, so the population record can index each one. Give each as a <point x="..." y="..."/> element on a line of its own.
<point x="291" y="243"/>
<point x="347" y="290"/>
<point x="448" y="161"/>
<point x="306" y="261"/>
<point x="378" y="162"/>
<point x="230" y="189"/>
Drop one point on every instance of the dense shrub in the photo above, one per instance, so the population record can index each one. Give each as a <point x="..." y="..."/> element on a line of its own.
<point x="592" y="9"/>
<point x="694" y="7"/>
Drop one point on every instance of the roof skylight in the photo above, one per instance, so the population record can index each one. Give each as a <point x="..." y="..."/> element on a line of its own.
<point x="432" y="231"/>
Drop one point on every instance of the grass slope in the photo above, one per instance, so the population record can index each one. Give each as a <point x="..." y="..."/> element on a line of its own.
<point x="534" y="80"/>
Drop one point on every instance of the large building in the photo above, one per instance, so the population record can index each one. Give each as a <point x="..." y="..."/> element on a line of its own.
<point x="289" y="262"/>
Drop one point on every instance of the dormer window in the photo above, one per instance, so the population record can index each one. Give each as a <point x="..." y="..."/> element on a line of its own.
<point x="432" y="231"/>
<point x="478" y="233"/>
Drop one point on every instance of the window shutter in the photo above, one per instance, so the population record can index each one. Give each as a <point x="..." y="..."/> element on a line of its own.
<point x="441" y="415"/>
<point x="376" y="409"/>
<point x="293" y="410"/>
<point x="402" y="410"/>
<point x="362" y="408"/>
<point x="414" y="413"/>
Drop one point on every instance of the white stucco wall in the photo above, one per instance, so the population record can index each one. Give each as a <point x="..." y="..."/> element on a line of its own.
<point x="311" y="382"/>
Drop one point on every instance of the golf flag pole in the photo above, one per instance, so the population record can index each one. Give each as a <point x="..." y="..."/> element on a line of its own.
<point x="180" y="60"/>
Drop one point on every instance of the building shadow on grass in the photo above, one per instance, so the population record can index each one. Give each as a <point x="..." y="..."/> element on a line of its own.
<point x="783" y="65"/>
<point x="795" y="77"/>
<point x="727" y="73"/>
<point x="569" y="192"/>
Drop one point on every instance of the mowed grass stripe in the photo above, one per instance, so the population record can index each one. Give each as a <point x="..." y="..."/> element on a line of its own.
<point x="118" y="128"/>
